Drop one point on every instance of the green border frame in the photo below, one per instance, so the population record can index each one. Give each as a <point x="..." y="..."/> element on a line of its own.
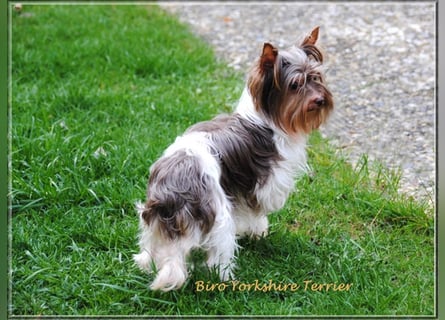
<point x="4" y="272"/>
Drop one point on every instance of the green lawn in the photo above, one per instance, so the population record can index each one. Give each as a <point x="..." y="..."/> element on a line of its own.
<point x="98" y="92"/>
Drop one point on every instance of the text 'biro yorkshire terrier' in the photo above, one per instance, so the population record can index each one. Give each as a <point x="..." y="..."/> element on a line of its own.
<point x="221" y="179"/>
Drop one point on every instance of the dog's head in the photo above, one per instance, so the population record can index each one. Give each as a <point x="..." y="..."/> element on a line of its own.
<point x="288" y="86"/>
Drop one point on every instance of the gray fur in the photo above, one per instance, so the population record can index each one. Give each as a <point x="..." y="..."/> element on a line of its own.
<point x="179" y="196"/>
<point x="246" y="152"/>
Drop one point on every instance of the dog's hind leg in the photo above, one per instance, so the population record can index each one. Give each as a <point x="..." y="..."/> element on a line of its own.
<point x="164" y="256"/>
<point x="170" y="260"/>
<point x="221" y="245"/>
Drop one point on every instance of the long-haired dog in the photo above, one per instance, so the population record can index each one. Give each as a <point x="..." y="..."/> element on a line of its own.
<point x="221" y="178"/>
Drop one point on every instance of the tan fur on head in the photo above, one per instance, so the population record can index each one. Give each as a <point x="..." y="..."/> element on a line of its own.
<point x="288" y="86"/>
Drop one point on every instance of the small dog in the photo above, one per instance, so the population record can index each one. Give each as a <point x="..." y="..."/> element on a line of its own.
<point x="223" y="177"/>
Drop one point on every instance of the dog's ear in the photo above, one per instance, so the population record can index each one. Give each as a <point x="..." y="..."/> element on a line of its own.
<point x="311" y="39"/>
<point x="268" y="56"/>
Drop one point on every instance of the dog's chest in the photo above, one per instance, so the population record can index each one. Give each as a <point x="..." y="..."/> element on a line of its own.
<point x="273" y="194"/>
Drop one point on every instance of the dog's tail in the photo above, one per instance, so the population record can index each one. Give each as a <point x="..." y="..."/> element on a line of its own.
<point x="180" y="196"/>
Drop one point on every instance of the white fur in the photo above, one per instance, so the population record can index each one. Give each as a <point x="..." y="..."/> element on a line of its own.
<point x="274" y="194"/>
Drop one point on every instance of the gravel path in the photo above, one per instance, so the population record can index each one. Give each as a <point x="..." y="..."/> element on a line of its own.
<point x="381" y="70"/>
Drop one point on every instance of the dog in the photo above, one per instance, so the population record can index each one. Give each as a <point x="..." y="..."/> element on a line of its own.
<point x="221" y="178"/>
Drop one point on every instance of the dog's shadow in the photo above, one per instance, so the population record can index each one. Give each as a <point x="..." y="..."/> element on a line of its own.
<point x="279" y="256"/>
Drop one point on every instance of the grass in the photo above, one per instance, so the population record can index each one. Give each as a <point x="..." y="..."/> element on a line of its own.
<point x="98" y="91"/>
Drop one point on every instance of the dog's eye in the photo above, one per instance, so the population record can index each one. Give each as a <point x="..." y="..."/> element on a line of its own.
<point x="315" y="78"/>
<point x="294" y="86"/>
<point x="297" y="83"/>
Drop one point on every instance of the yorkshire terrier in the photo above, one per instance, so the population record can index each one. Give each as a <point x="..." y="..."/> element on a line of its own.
<point x="221" y="178"/>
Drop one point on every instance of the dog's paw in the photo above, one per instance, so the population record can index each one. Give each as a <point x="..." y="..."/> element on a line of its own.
<point x="143" y="260"/>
